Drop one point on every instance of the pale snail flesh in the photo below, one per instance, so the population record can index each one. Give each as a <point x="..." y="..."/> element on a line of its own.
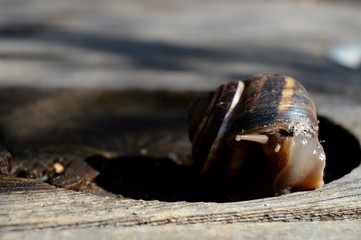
<point x="259" y="133"/>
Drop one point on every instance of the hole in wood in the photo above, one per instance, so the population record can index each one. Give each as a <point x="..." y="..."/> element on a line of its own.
<point x="149" y="178"/>
<point x="341" y="147"/>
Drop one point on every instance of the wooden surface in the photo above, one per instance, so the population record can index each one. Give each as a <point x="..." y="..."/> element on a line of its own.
<point x="313" y="230"/>
<point x="174" y="45"/>
<point x="48" y="208"/>
<point x="65" y="76"/>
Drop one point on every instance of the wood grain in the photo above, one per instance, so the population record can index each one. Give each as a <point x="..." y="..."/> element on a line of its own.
<point x="47" y="207"/>
<point x="93" y="134"/>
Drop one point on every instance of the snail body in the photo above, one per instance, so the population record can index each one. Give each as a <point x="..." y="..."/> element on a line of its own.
<point x="260" y="134"/>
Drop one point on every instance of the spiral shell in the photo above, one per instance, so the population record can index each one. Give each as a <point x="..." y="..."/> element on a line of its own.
<point x="260" y="133"/>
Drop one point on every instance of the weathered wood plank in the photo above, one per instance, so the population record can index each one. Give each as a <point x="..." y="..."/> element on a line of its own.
<point x="73" y="46"/>
<point x="310" y="230"/>
<point x="178" y="45"/>
<point x="57" y="208"/>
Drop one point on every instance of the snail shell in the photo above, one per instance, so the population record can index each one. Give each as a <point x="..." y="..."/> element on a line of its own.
<point x="260" y="134"/>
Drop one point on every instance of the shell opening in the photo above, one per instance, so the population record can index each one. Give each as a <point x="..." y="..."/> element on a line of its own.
<point x="304" y="170"/>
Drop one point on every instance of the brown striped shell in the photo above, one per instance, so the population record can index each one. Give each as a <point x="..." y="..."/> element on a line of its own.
<point x="260" y="133"/>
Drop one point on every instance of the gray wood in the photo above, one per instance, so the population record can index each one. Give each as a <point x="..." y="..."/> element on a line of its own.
<point x="310" y="230"/>
<point x="178" y="45"/>
<point x="184" y="45"/>
<point x="57" y="208"/>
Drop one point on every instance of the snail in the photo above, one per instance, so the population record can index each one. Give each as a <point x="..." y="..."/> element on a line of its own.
<point x="259" y="134"/>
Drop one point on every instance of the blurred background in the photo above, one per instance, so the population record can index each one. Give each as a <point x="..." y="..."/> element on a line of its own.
<point x="179" y="45"/>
